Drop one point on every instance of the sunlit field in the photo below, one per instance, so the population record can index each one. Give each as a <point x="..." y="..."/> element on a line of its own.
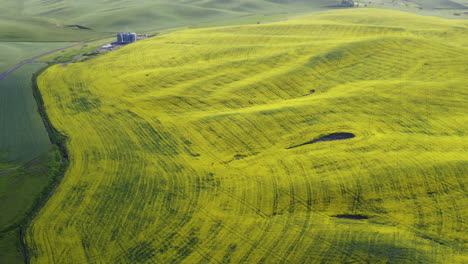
<point x="210" y="145"/>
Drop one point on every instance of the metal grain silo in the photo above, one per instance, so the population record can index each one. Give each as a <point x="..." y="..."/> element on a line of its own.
<point x="132" y="37"/>
<point x="120" y="38"/>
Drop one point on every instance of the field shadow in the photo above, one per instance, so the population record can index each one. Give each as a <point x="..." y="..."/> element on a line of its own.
<point x="329" y="137"/>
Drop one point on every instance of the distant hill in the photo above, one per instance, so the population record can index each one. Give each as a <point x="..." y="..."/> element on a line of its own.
<point x="46" y="20"/>
<point x="457" y="4"/>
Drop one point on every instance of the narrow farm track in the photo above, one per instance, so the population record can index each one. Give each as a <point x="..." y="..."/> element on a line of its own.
<point x="180" y="146"/>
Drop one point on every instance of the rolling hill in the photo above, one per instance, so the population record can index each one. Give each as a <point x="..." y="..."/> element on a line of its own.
<point x="39" y="20"/>
<point x="28" y="165"/>
<point x="333" y="138"/>
<point x="44" y="20"/>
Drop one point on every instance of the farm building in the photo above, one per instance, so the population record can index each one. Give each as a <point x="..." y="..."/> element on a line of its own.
<point x="122" y="40"/>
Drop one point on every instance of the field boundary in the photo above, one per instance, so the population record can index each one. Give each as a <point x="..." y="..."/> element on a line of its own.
<point x="57" y="139"/>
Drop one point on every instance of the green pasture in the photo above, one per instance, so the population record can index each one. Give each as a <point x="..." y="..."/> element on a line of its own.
<point x="21" y="190"/>
<point x="28" y="163"/>
<point x="23" y="136"/>
<point x="12" y="53"/>
<point x="23" y="28"/>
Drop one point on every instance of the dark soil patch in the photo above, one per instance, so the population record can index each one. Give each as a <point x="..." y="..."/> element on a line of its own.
<point x="239" y="157"/>
<point x="78" y="26"/>
<point x="352" y="216"/>
<point x="330" y="137"/>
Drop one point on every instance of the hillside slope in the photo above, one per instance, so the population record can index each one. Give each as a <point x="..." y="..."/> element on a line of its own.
<point x="192" y="147"/>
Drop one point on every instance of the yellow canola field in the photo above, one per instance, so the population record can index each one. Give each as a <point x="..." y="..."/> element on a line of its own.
<point x="184" y="148"/>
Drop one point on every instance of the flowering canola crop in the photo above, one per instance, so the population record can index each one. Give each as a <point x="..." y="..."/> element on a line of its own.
<point x="190" y="147"/>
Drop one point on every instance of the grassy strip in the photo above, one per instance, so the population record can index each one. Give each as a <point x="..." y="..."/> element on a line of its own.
<point x="68" y="54"/>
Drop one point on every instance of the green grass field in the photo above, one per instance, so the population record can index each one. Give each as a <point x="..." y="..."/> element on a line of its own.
<point x="182" y="147"/>
<point x="23" y="136"/>
<point x="13" y="53"/>
<point x="27" y="162"/>
<point x="21" y="190"/>
<point x="25" y="29"/>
